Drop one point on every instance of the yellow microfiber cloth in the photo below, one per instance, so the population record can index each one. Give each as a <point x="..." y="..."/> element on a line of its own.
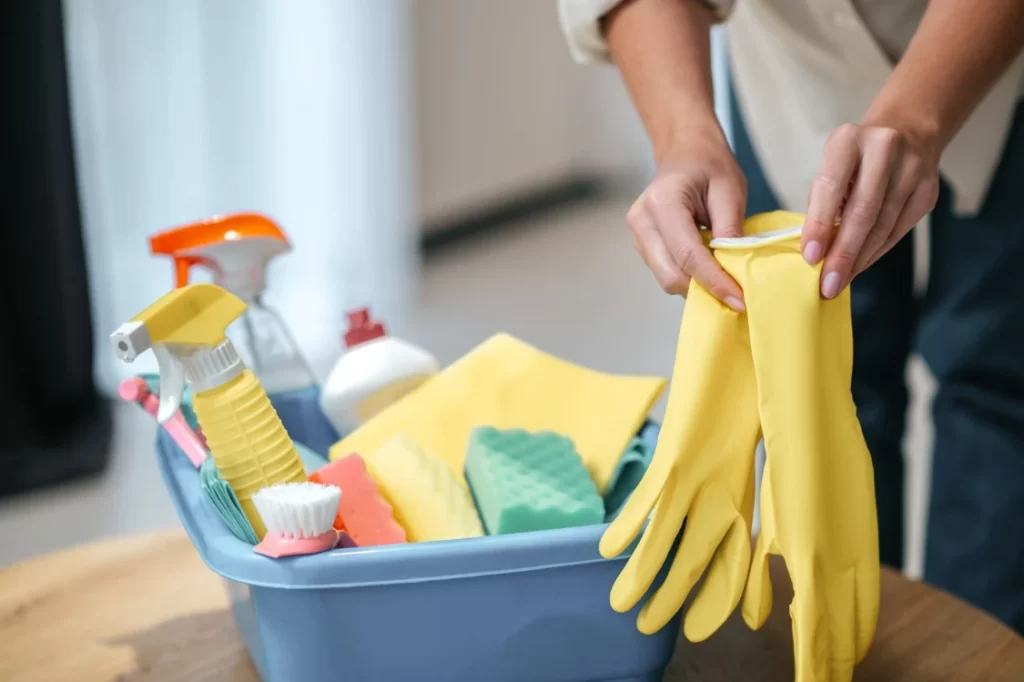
<point x="427" y="499"/>
<point x="506" y="383"/>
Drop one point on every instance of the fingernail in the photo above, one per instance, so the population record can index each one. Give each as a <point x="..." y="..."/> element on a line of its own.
<point x="830" y="285"/>
<point x="812" y="252"/>
<point x="735" y="303"/>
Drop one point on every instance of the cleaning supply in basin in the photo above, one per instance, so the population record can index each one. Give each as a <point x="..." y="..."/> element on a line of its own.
<point x="630" y="470"/>
<point x="311" y="461"/>
<point x="153" y="384"/>
<point x="185" y="328"/>
<point x="374" y="371"/>
<point x="299" y="518"/>
<point x="225" y="502"/>
<point x="362" y="512"/>
<point x="345" y="541"/>
<point x="508" y="384"/>
<point x="428" y="500"/>
<point x="136" y="390"/>
<point x="237" y="249"/>
<point x="529" y="481"/>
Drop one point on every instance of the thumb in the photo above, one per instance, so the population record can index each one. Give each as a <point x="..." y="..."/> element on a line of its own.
<point x="727" y="201"/>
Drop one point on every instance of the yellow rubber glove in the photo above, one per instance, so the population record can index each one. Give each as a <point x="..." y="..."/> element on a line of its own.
<point x="817" y="494"/>
<point x="703" y="471"/>
<point x="508" y="384"/>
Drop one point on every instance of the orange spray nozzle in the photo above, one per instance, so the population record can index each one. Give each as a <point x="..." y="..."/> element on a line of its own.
<point x="236" y="247"/>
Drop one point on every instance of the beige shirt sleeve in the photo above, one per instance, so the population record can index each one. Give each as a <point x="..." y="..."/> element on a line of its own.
<point x="581" y="24"/>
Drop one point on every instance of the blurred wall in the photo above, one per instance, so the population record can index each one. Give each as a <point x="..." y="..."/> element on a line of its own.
<point x="503" y="111"/>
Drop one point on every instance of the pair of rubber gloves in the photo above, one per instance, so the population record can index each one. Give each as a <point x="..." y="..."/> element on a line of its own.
<point x="782" y="369"/>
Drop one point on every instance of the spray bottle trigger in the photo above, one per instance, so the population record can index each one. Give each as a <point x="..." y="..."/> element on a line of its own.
<point x="181" y="271"/>
<point x="172" y="382"/>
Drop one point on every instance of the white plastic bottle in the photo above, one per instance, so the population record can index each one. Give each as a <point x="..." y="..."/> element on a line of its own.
<point x="374" y="371"/>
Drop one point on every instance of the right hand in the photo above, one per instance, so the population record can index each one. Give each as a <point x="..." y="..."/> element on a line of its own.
<point x="698" y="183"/>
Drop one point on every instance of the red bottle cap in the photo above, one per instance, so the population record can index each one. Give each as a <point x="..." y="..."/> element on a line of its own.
<point x="361" y="328"/>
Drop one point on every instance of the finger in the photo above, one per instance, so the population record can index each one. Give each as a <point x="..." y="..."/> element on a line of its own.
<point x="655" y="254"/>
<point x="705" y="528"/>
<point x="626" y="526"/>
<point x="840" y="622"/>
<point x="727" y="200"/>
<point x="920" y="204"/>
<point x="861" y="211"/>
<point x="659" y="536"/>
<point x="904" y="183"/>
<point x="828" y="191"/>
<point x="867" y="584"/>
<point x="723" y="584"/>
<point x="812" y="655"/>
<point x="758" y="598"/>
<point x="680" y="234"/>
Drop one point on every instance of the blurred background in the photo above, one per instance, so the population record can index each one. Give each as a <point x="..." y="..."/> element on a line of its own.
<point x="442" y="161"/>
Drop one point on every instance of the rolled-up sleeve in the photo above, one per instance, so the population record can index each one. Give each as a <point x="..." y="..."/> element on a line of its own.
<point x="581" y="24"/>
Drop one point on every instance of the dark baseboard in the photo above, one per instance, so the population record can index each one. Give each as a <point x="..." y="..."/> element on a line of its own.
<point x="514" y="212"/>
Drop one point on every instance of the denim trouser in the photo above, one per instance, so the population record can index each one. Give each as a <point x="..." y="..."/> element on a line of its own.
<point x="969" y="328"/>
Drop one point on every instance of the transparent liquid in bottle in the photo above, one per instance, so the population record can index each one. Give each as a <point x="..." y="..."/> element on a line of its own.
<point x="270" y="351"/>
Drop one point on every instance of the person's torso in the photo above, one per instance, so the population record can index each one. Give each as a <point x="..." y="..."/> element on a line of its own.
<point x="803" y="67"/>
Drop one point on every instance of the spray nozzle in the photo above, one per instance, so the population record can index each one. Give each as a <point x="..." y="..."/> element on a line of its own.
<point x="185" y="330"/>
<point x="235" y="248"/>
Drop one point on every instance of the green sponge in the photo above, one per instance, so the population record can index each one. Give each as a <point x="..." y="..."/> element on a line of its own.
<point x="526" y="481"/>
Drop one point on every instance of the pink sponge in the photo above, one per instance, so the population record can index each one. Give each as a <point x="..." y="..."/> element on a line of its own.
<point x="362" y="512"/>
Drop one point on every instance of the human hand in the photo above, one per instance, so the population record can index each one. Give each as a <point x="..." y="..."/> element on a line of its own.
<point x="698" y="183"/>
<point x="877" y="183"/>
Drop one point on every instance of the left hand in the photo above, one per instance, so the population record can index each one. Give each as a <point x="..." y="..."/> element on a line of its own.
<point x="876" y="183"/>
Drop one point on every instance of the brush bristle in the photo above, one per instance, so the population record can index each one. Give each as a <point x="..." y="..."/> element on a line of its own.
<point x="298" y="510"/>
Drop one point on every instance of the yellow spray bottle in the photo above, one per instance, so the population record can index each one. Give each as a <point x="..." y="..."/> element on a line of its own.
<point x="185" y="330"/>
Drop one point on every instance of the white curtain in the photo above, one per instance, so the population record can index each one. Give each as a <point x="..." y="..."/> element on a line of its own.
<point x="302" y="110"/>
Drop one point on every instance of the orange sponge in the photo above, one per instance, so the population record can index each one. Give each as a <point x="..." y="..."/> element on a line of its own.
<point x="362" y="512"/>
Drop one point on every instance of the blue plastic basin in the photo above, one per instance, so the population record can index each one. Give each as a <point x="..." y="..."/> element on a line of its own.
<point x="531" y="607"/>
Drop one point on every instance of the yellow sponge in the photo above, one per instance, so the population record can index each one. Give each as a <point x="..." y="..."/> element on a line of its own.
<point x="508" y="384"/>
<point x="428" y="501"/>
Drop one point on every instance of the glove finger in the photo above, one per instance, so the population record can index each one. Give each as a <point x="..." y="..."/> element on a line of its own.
<point x="867" y="583"/>
<point x="723" y="585"/>
<point x="626" y="526"/>
<point x="706" y="525"/>
<point x="757" y="598"/>
<point x="840" y="620"/>
<point x="649" y="556"/>
<point x="814" y="626"/>
<point x="810" y="660"/>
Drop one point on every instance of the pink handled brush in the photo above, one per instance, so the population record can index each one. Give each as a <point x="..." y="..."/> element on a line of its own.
<point x="299" y="518"/>
<point x="135" y="390"/>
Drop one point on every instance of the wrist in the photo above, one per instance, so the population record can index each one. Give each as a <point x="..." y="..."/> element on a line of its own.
<point x="921" y="129"/>
<point x="694" y="128"/>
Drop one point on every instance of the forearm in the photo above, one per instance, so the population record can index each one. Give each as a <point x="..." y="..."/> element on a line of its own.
<point x="958" y="53"/>
<point x="663" y="50"/>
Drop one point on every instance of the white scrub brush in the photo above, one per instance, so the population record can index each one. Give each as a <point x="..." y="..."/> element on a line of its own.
<point x="299" y="518"/>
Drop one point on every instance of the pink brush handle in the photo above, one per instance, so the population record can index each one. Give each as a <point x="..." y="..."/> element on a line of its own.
<point x="276" y="546"/>
<point x="135" y="389"/>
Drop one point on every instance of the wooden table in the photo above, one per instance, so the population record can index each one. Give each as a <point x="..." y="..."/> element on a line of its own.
<point x="146" y="608"/>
